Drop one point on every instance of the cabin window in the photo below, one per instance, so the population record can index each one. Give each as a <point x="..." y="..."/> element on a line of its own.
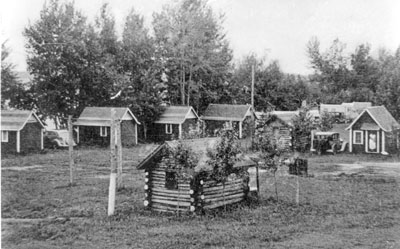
<point x="168" y="128"/>
<point x="228" y="125"/>
<point x="171" y="181"/>
<point x="358" y="137"/>
<point x="4" y="136"/>
<point x="103" y="131"/>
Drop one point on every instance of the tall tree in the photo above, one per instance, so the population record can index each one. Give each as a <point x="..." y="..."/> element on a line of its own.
<point x="11" y="87"/>
<point x="388" y="90"/>
<point x="142" y="90"/>
<point x="190" y="41"/>
<point x="55" y="48"/>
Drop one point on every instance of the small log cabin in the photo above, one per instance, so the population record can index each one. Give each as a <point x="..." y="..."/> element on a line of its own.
<point x="222" y="116"/>
<point x="21" y="131"/>
<point x="278" y="125"/>
<point x="176" y="122"/>
<point x="374" y="131"/>
<point x="93" y="126"/>
<point x="165" y="191"/>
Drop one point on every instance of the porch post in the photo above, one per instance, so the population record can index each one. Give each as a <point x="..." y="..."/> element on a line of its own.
<point x="18" y="142"/>
<point x="41" y="138"/>
<point x="351" y="141"/>
<point x="240" y="129"/>
<point x="180" y="131"/>
<point x="366" y="140"/>
<point x="77" y="134"/>
<point x="378" y="141"/>
<point x="383" y="143"/>
<point x="136" y="135"/>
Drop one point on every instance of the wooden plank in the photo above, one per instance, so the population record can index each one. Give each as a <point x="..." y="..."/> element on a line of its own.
<point x="169" y="191"/>
<point x="216" y="189"/>
<point x="172" y="203"/>
<point x="119" y="154"/>
<point x="233" y="192"/>
<point x="222" y="198"/>
<point x="163" y="208"/>
<point x="172" y="198"/>
<point x="171" y="195"/>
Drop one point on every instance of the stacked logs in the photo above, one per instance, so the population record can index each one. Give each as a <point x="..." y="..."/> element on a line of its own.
<point x="213" y="194"/>
<point x="159" y="198"/>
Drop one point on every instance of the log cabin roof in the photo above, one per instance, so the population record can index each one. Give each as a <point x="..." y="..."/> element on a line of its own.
<point x="176" y="115"/>
<point x="381" y="116"/>
<point x="226" y="112"/>
<point x="101" y="116"/>
<point x="15" y="120"/>
<point x="199" y="147"/>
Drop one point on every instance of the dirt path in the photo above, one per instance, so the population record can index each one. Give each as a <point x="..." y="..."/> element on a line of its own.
<point x="370" y="168"/>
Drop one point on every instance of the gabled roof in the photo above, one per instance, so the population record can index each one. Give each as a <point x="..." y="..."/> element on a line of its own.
<point x="198" y="146"/>
<point x="227" y="112"/>
<point x="176" y="115"/>
<point x="381" y="116"/>
<point x="101" y="116"/>
<point x="15" y="120"/>
<point x="286" y="116"/>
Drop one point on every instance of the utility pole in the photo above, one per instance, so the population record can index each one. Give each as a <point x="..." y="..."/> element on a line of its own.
<point x="113" y="174"/>
<point x="253" y="124"/>
<point x="70" y="151"/>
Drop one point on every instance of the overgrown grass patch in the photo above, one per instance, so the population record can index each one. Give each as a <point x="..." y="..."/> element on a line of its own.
<point x="335" y="211"/>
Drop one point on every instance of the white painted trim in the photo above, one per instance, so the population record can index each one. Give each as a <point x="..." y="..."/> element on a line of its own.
<point x="359" y="116"/>
<point x="26" y="121"/>
<point x="41" y="139"/>
<point x="351" y="140"/>
<point x="240" y="129"/>
<point x="191" y="110"/>
<point x="5" y="138"/>
<point x="362" y="137"/>
<point x="136" y="135"/>
<point x="137" y="121"/>
<point x="18" y="141"/>
<point x="366" y="142"/>
<point x="77" y="135"/>
<point x="166" y="129"/>
<point x="383" y="143"/>
<point x="103" y="134"/>
<point x="180" y="131"/>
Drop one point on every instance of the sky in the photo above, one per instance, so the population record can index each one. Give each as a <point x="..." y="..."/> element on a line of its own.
<point x="274" y="29"/>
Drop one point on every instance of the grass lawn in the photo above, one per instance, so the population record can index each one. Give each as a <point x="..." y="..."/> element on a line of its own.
<point x="342" y="211"/>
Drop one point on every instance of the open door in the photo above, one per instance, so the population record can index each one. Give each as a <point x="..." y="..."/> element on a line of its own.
<point x="372" y="142"/>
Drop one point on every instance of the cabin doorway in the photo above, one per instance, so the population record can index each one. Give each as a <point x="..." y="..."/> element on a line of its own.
<point x="372" y="142"/>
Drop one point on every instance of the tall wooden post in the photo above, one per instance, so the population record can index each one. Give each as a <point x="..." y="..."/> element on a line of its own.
<point x="113" y="174"/>
<point x="253" y="124"/>
<point x="70" y="151"/>
<point x="119" y="156"/>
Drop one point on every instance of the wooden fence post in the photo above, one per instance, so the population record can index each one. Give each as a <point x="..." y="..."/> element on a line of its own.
<point x="119" y="156"/>
<point x="113" y="174"/>
<point x="70" y="151"/>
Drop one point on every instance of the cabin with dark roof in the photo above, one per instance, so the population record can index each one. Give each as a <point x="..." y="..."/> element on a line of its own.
<point x="167" y="189"/>
<point x="21" y="131"/>
<point x="277" y="125"/>
<point x="374" y="131"/>
<point x="220" y="116"/>
<point x="176" y="122"/>
<point x="93" y="126"/>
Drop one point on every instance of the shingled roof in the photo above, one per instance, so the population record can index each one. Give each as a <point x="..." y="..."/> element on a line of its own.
<point x="176" y="115"/>
<point x="101" y="116"/>
<point x="15" y="120"/>
<point x="199" y="147"/>
<point x="381" y="116"/>
<point x="226" y="112"/>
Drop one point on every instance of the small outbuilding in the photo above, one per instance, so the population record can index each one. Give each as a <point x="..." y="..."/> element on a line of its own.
<point x="279" y="125"/>
<point x="21" y="131"/>
<point x="374" y="131"/>
<point x="93" y="126"/>
<point x="223" y="116"/>
<point x="169" y="189"/>
<point x="176" y="122"/>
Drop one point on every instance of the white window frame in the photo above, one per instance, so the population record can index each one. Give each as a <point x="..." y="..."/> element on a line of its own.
<point x="103" y="131"/>
<point x="4" y="136"/>
<point x="168" y="128"/>
<point x="355" y="137"/>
